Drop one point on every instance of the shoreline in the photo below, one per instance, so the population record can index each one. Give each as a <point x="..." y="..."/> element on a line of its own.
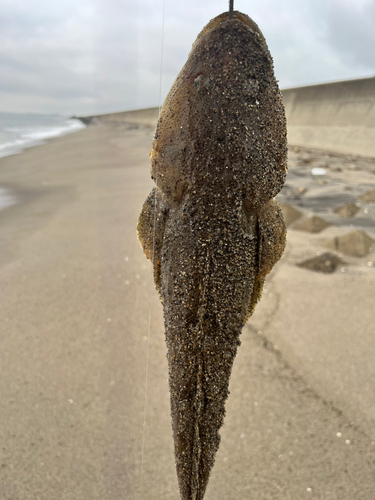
<point x="9" y="194"/>
<point x="38" y="137"/>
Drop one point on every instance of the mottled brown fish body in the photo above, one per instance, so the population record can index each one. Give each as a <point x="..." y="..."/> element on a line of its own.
<point x="210" y="226"/>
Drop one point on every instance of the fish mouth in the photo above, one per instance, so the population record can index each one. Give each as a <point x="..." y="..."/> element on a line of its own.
<point x="222" y="18"/>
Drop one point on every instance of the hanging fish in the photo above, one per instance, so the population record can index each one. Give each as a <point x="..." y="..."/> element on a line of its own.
<point x="210" y="226"/>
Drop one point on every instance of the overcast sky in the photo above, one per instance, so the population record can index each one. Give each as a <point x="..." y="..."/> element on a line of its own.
<point x="96" y="56"/>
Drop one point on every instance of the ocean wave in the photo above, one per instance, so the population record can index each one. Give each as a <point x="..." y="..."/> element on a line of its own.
<point x="14" y="139"/>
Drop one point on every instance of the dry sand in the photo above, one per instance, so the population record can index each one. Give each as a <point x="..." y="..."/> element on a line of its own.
<point x="76" y="295"/>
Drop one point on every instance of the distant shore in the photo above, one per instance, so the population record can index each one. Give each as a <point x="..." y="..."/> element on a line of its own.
<point x="147" y="117"/>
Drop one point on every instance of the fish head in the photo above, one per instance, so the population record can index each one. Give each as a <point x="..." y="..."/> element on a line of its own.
<point x="222" y="127"/>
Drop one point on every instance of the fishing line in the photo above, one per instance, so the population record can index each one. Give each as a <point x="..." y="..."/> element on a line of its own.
<point x="231" y="9"/>
<point x="153" y="256"/>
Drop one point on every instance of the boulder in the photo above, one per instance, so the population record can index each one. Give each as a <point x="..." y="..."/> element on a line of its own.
<point x="290" y="213"/>
<point x="325" y="263"/>
<point x="355" y="244"/>
<point x="313" y="224"/>
<point x="368" y="196"/>
<point x="347" y="211"/>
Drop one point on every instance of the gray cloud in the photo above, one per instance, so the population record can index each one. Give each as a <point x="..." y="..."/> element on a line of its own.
<point x="95" y="56"/>
<point x="351" y="33"/>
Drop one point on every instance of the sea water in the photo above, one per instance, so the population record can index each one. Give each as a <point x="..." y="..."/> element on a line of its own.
<point x="20" y="131"/>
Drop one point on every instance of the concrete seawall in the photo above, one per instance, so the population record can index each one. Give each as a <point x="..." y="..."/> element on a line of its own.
<point x="147" y="117"/>
<point x="338" y="116"/>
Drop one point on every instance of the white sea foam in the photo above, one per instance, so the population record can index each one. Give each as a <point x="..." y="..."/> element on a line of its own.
<point x="18" y="132"/>
<point x="6" y="198"/>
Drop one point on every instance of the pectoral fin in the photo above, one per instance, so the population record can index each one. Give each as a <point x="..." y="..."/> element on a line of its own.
<point x="150" y="230"/>
<point x="271" y="244"/>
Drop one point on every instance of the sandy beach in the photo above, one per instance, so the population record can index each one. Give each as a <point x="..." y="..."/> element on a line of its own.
<point x="80" y="317"/>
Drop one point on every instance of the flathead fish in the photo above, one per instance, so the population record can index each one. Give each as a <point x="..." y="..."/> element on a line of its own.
<point x="211" y="226"/>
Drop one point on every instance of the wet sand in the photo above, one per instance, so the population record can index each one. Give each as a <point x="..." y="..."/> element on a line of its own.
<point x="76" y="298"/>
